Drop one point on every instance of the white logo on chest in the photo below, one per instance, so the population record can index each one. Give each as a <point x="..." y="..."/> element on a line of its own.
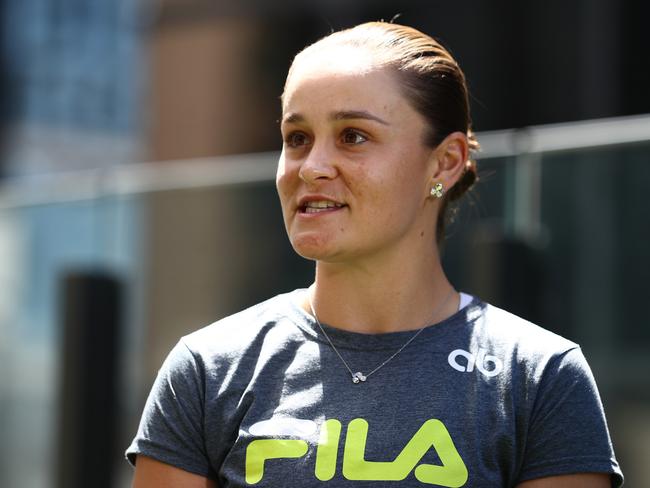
<point x="487" y="364"/>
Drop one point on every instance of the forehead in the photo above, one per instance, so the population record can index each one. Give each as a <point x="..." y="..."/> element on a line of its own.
<point x="343" y="58"/>
<point x="335" y="78"/>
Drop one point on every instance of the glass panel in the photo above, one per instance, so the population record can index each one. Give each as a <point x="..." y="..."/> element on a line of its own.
<point x="38" y="246"/>
<point x="598" y="266"/>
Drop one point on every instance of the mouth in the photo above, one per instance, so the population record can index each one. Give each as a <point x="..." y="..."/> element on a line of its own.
<point x="319" y="206"/>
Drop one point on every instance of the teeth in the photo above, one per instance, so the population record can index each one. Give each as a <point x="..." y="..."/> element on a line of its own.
<point x="322" y="204"/>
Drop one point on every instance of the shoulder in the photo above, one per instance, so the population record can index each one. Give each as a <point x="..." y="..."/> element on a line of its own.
<point x="502" y="328"/>
<point x="273" y="320"/>
<point x="525" y="349"/>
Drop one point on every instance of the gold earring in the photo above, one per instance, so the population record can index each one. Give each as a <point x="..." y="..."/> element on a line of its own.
<point x="437" y="190"/>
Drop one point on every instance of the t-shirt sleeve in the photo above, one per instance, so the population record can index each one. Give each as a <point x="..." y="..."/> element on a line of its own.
<point x="568" y="431"/>
<point x="171" y="427"/>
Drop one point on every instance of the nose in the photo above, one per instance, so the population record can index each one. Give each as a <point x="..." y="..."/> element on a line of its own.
<point x="319" y="165"/>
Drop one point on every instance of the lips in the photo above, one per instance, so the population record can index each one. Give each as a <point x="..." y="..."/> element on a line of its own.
<point x="318" y="205"/>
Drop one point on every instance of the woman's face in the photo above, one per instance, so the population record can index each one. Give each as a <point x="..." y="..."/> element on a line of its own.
<point x="354" y="174"/>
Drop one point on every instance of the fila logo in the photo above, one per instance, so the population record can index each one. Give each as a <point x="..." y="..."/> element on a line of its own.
<point x="451" y="473"/>
<point x="485" y="363"/>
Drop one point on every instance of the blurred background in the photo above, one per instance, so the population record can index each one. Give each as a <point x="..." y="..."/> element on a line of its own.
<point x="138" y="143"/>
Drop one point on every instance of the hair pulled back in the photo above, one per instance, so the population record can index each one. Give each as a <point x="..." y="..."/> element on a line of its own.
<point x="432" y="82"/>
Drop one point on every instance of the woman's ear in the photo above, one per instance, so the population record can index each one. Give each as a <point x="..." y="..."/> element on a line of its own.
<point x="451" y="157"/>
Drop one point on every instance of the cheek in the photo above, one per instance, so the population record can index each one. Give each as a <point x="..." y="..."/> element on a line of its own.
<point x="281" y="173"/>
<point x="284" y="182"/>
<point x="378" y="198"/>
<point x="393" y="196"/>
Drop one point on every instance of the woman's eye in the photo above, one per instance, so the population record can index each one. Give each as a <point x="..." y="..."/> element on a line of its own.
<point x="296" y="139"/>
<point x="353" y="137"/>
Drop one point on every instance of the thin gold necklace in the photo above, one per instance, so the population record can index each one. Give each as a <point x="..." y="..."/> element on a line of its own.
<point x="359" y="377"/>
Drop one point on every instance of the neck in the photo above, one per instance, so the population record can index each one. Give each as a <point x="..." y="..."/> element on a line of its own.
<point x="396" y="295"/>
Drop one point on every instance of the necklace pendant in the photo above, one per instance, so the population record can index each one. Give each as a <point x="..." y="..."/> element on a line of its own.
<point x="358" y="377"/>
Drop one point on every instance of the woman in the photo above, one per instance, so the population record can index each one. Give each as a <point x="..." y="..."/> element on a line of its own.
<point x="380" y="371"/>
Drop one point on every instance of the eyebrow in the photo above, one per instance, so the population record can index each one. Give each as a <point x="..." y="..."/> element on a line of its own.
<point x="340" y="115"/>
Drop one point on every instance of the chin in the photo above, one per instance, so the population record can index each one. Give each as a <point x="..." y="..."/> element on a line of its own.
<point x="313" y="247"/>
<point x="310" y="252"/>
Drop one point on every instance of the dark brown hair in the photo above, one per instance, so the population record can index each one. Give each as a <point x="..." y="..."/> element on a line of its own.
<point x="432" y="81"/>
